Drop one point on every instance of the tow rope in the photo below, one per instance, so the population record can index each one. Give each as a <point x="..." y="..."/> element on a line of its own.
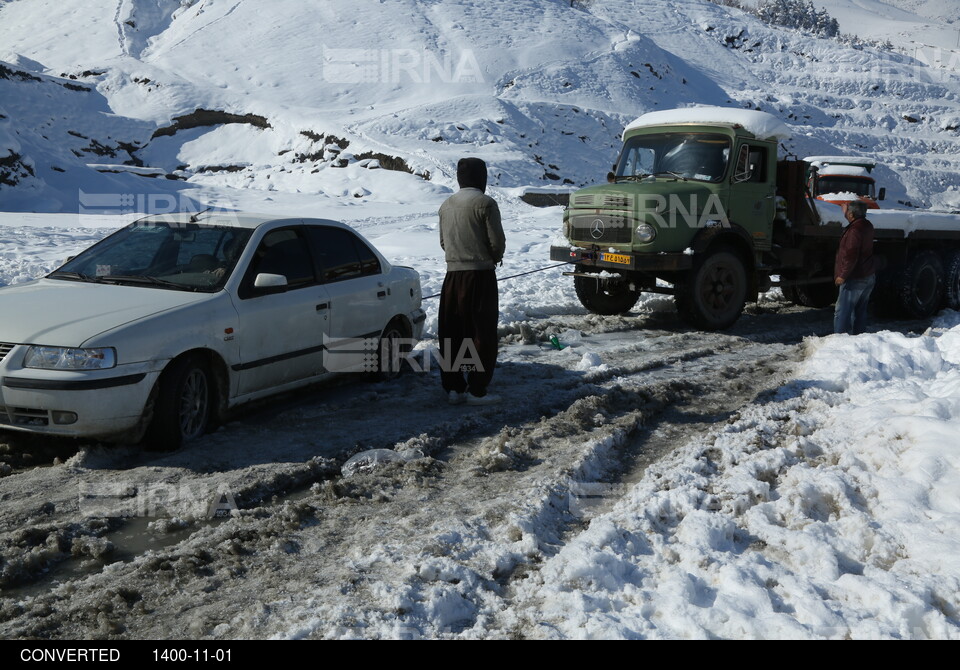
<point x="521" y="274"/>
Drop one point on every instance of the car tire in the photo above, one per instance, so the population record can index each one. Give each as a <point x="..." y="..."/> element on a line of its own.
<point x="183" y="408"/>
<point x="392" y="351"/>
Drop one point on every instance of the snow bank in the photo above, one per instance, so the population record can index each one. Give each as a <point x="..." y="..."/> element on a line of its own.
<point x="832" y="512"/>
<point x="761" y="124"/>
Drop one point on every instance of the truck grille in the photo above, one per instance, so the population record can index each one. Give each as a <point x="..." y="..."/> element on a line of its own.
<point x="617" y="201"/>
<point x="5" y="349"/>
<point x="605" y="201"/>
<point x="601" y="228"/>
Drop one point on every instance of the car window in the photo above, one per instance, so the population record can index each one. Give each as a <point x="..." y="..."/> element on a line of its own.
<point x="281" y="252"/>
<point x="369" y="263"/>
<point x="340" y="254"/>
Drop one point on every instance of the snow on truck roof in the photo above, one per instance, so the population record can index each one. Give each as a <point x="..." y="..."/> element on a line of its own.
<point x="761" y="124"/>
<point x="820" y="161"/>
<point x="844" y="171"/>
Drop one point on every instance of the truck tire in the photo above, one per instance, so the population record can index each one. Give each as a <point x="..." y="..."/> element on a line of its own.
<point x="715" y="292"/>
<point x="921" y="285"/>
<point x="605" y="297"/>
<point x="885" y="300"/>
<point x="790" y="294"/>
<point x="952" y="270"/>
<point x="817" y="295"/>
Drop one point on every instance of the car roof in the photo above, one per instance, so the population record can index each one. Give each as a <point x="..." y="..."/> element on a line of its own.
<point x="249" y="220"/>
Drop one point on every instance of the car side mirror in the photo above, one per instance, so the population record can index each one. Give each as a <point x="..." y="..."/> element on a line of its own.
<point x="882" y="194"/>
<point x="269" y="283"/>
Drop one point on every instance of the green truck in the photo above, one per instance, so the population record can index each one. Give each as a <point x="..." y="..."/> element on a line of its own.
<point x="699" y="207"/>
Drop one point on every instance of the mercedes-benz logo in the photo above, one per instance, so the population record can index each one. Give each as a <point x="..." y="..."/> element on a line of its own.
<point x="597" y="230"/>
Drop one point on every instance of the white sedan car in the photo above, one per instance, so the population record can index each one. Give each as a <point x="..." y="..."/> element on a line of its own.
<point x="161" y="328"/>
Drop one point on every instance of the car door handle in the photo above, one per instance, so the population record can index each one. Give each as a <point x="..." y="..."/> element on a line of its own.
<point x="381" y="294"/>
<point x="322" y="306"/>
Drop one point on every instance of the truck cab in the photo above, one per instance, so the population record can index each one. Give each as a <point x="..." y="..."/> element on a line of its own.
<point x="839" y="179"/>
<point x="691" y="202"/>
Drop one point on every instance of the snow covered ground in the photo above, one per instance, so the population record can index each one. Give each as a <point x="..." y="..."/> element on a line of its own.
<point x="646" y="481"/>
<point x="826" y="507"/>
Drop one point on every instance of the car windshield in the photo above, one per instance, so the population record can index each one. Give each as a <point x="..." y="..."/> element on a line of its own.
<point x="845" y="185"/>
<point x="190" y="257"/>
<point x="699" y="156"/>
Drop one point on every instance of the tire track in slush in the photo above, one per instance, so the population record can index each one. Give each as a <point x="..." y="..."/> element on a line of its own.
<point x="481" y="510"/>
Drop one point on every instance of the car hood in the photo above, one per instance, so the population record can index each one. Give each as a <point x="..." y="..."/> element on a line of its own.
<point x="66" y="313"/>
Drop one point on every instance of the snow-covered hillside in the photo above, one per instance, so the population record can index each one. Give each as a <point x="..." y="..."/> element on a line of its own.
<point x="281" y="95"/>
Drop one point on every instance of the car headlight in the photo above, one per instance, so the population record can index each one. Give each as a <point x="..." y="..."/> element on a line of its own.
<point x="645" y="233"/>
<point x="63" y="358"/>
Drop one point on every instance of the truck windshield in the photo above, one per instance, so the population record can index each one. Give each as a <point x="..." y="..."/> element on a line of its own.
<point x="187" y="258"/>
<point x="699" y="156"/>
<point x="845" y="185"/>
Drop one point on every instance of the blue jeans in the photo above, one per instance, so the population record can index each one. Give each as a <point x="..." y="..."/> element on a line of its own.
<point x="851" y="312"/>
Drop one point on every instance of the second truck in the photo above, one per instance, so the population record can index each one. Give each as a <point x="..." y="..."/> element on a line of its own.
<point x="699" y="207"/>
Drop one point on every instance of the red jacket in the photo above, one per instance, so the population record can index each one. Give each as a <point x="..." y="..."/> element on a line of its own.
<point x="855" y="255"/>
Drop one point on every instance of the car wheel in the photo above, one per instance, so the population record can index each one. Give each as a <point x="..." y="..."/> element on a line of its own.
<point x="392" y="351"/>
<point x="182" y="409"/>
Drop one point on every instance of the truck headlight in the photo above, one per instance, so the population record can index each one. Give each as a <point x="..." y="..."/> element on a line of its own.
<point x="63" y="358"/>
<point x="645" y="233"/>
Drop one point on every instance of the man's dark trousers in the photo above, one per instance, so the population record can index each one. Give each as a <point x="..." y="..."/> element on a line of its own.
<point x="469" y="310"/>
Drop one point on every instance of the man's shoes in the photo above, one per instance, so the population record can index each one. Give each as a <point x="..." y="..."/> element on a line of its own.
<point x="478" y="400"/>
<point x="455" y="398"/>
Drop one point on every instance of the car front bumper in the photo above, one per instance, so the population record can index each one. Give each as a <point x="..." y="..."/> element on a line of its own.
<point x="93" y="404"/>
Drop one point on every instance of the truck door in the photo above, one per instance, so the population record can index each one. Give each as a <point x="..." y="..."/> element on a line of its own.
<point x="752" y="203"/>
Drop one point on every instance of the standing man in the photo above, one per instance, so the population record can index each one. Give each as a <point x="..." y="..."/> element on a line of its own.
<point x="854" y="271"/>
<point x="471" y="236"/>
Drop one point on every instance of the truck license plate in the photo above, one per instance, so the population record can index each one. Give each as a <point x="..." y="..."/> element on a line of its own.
<point x="615" y="258"/>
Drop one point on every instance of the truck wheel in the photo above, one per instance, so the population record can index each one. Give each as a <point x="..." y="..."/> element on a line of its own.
<point x="790" y="294"/>
<point x="716" y="292"/>
<point x="885" y="299"/>
<point x="607" y="297"/>
<point x="953" y="280"/>
<point x="183" y="408"/>
<point x="817" y="295"/>
<point x="921" y="285"/>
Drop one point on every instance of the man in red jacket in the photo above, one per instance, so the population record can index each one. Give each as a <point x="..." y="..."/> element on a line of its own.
<point x="854" y="271"/>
